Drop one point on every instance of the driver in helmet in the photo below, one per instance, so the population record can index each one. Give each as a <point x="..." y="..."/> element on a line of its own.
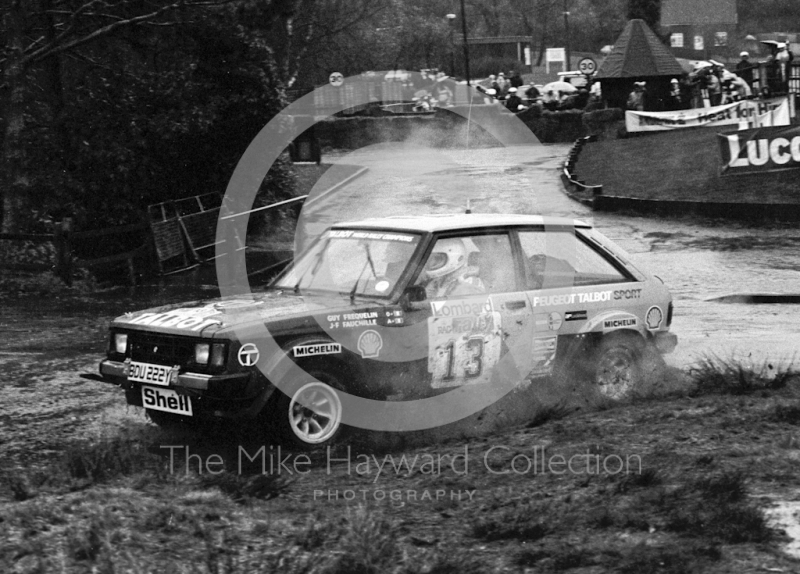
<point x="447" y="273"/>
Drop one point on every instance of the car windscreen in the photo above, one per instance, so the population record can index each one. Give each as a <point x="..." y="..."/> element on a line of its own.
<point x="352" y="261"/>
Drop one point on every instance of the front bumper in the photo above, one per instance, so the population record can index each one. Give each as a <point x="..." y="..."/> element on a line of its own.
<point x="665" y="341"/>
<point x="233" y="396"/>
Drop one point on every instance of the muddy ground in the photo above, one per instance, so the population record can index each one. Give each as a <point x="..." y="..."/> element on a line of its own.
<point x="696" y="477"/>
<point x="689" y="482"/>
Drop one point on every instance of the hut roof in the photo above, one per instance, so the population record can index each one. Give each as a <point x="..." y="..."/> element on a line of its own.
<point x="638" y="53"/>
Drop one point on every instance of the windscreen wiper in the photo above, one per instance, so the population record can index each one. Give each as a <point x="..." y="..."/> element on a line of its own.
<point x="358" y="280"/>
<point x="314" y="270"/>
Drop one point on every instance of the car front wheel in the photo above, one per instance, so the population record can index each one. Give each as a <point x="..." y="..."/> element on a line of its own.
<point x="312" y="415"/>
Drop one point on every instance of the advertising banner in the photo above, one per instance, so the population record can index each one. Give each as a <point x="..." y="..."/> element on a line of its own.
<point x="753" y="113"/>
<point x="759" y="150"/>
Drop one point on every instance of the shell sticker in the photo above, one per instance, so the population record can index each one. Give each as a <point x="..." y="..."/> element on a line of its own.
<point x="370" y="344"/>
<point x="654" y="317"/>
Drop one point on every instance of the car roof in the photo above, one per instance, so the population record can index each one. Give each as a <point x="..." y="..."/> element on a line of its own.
<point x="451" y="222"/>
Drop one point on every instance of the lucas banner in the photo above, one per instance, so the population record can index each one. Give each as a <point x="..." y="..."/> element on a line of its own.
<point x="750" y="113"/>
<point x="760" y="150"/>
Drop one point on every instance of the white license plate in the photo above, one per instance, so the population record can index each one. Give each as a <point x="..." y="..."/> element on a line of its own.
<point x="147" y="373"/>
<point x="166" y="400"/>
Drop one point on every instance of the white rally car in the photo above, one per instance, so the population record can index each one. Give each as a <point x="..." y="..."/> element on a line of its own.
<point x="400" y="307"/>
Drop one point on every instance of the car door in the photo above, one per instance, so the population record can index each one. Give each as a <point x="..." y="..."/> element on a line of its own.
<point x="570" y="289"/>
<point x="486" y="316"/>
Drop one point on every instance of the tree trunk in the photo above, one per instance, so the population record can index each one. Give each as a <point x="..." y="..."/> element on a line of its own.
<point x="14" y="185"/>
<point x="545" y="12"/>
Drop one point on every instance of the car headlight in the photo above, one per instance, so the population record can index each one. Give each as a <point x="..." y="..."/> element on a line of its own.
<point x="209" y="354"/>
<point x="218" y="355"/>
<point x="120" y="343"/>
<point x="201" y="352"/>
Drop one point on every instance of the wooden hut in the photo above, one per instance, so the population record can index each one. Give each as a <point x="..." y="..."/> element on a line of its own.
<point x="638" y="56"/>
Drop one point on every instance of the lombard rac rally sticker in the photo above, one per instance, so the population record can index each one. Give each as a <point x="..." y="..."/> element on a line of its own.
<point x="248" y="355"/>
<point x="370" y="344"/>
<point x="654" y="317"/>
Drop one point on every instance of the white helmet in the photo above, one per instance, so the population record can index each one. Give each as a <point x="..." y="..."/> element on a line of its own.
<point x="448" y="255"/>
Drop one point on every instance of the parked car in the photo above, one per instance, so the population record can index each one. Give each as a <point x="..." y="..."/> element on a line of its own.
<point x="400" y="307"/>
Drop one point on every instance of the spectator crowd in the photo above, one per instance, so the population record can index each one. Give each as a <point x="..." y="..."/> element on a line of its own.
<point x="711" y="84"/>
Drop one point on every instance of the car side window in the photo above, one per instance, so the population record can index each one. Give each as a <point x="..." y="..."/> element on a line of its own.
<point x="561" y="259"/>
<point x="469" y="265"/>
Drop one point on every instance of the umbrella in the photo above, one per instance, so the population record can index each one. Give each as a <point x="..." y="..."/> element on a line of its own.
<point x="559" y="87"/>
<point x="700" y="64"/>
<point x="774" y="47"/>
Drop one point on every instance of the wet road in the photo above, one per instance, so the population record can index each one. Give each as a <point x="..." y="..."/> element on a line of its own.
<point x="697" y="259"/>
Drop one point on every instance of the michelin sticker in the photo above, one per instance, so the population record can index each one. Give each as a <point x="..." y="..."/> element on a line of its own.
<point x="463" y="342"/>
<point x="320" y="349"/>
<point x="654" y="317"/>
<point x="620" y="322"/>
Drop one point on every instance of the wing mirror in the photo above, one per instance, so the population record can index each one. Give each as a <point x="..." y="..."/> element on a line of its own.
<point x="412" y="296"/>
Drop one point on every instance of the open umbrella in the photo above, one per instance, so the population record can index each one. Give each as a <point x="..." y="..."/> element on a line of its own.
<point x="559" y="87"/>
<point x="774" y="47"/>
<point x="700" y="64"/>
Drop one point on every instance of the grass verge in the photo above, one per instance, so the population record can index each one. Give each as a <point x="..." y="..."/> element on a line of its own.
<point x="669" y="485"/>
<point x="678" y="165"/>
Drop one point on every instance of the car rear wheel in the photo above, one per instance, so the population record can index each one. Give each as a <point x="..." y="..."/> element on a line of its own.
<point x="617" y="367"/>
<point x="312" y="415"/>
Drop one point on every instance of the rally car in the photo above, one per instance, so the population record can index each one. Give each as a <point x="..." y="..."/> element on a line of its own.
<point x="398" y="309"/>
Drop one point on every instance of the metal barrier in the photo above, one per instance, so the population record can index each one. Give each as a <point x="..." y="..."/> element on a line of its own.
<point x="185" y="230"/>
<point x="576" y="188"/>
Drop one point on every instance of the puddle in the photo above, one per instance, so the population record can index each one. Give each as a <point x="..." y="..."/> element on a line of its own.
<point x="758" y="298"/>
<point x="479" y="170"/>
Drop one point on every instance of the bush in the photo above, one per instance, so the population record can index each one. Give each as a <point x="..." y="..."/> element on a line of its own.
<point x="368" y="544"/>
<point x="713" y="375"/>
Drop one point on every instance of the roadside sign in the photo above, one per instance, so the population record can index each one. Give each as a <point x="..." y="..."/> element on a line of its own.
<point x="587" y="66"/>
<point x="336" y="79"/>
